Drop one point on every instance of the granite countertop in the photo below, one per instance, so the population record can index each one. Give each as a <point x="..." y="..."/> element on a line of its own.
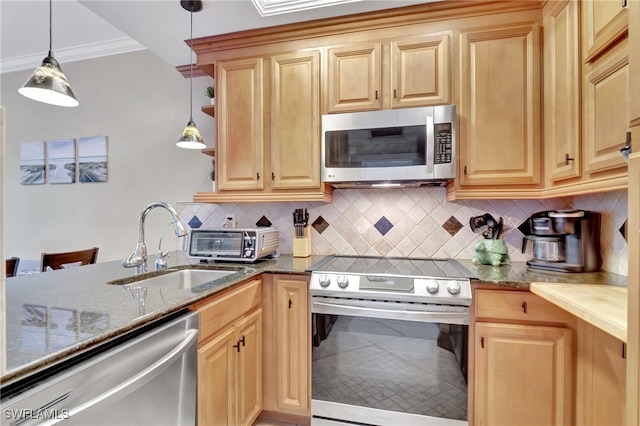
<point x="518" y="277"/>
<point x="54" y="315"/>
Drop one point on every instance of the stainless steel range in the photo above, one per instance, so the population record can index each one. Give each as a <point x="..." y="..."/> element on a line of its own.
<point x="389" y="341"/>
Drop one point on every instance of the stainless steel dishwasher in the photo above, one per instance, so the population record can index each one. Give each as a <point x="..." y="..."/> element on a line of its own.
<point x="147" y="380"/>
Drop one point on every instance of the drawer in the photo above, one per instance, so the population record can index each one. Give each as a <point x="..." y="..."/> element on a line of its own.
<point x="516" y="305"/>
<point x="225" y="308"/>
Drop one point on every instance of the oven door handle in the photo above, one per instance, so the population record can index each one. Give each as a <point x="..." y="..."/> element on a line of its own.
<point x="419" y="316"/>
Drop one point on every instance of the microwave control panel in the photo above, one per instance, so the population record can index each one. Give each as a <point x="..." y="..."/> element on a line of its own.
<point x="443" y="143"/>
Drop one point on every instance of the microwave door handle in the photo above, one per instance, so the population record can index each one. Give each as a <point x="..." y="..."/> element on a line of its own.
<point x="430" y="148"/>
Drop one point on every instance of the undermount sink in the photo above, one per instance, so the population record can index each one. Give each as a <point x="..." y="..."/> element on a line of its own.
<point x="182" y="279"/>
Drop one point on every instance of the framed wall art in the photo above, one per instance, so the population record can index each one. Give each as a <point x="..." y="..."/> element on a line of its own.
<point x="32" y="163"/>
<point x="61" y="161"/>
<point x="92" y="159"/>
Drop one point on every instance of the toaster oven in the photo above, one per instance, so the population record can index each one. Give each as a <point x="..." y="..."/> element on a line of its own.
<point x="233" y="244"/>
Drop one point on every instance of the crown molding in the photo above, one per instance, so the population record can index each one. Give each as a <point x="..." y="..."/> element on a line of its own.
<point x="72" y="54"/>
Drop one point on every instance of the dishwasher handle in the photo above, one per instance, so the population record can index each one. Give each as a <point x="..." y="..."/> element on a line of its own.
<point x="139" y="379"/>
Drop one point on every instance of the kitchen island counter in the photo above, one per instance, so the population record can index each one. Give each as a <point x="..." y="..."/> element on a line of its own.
<point x="55" y="315"/>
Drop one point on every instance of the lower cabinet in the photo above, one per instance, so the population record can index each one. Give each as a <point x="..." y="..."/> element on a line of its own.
<point x="230" y="357"/>
<point x="523" y="375"/>
<point x="287" y="347"/>
<point x="522" y="360"/>
<point x="601" y="368"/>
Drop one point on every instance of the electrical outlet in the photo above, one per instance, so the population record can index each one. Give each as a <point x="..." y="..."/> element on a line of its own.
<point x="229" y="221"/>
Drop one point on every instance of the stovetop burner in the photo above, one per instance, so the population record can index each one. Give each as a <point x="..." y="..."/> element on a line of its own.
<point x="412" y="267"/>
<point x="392" y="279"/>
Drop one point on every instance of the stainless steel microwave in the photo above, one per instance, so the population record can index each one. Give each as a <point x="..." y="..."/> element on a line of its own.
<point x="400" y="146"/>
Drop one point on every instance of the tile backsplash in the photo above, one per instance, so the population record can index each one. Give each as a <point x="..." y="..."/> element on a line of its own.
<point x="414" y="222"/>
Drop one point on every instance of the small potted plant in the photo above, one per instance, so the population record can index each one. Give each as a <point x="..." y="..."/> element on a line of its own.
<point x="212" y="175"/>
<point x="210" y="93"/>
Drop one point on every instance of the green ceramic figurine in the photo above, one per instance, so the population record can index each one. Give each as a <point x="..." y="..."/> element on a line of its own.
<point x="491" y="252"/>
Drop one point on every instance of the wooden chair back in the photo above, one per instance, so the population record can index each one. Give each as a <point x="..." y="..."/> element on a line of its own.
<point x="75" y="258"/>
<point x="12" y="266"/>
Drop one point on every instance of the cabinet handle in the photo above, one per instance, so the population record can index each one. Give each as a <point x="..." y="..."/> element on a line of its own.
<point x="624" y="350"/>
<point x="290" y="303"/>
<point x="395" y="95"/>
<point x="482" y="342"/>
<point x="624" y="3"/>
<point x="524" y="307"/>
<point x="237" y="346"/>
<point x="273" y="176"/>
<point x="465" y="170"/>
<point x="241" y="340"/>
<point x="257" y="175"/>
<point x="376" y="95"/>
<point x="567" y="159"/>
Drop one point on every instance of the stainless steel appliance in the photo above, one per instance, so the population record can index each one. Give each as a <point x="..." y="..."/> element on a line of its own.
<point x="563" y="240"/>
<point x="389" y="341"/>
<point x="409" y="147"/>
<point x="147" y="380"/>
<point x="233" y="244"/>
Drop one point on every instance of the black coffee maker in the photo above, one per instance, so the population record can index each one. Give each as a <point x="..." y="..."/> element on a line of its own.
<point x="563" y="240"/>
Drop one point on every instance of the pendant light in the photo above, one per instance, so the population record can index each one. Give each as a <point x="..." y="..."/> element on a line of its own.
<point x="48" y="83"/>
<point x="191" y="138"/>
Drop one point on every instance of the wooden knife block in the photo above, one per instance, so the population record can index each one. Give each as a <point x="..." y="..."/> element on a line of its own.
<point x="302" y="245"/>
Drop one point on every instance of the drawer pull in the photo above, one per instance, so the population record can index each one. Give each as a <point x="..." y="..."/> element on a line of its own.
<point x="624" y="351"/>
<point x="290" y="303"/>
<point x="524" y="307"/>
<point x="482" y="342"/>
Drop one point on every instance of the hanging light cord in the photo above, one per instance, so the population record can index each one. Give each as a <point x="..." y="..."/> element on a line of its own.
<point x="50" y="28"/>
<point x="191" y="68"/>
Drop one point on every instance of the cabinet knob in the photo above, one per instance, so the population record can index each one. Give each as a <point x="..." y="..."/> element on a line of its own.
<point x="524" y="307"/>
<point x="376" y="94"/>
<point x="273" y="176"/>
<point x="257" y="175"/>
<point x="395" y="94"/>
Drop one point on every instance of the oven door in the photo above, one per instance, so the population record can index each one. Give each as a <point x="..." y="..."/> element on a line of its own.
<point x="388" y="363"/>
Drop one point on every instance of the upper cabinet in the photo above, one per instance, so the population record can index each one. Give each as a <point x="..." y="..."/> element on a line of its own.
<point x="499" y="120"/>
<point x="295" y="120"/>
<point x="353" y="79"/>
<point x="377" y="75"/>
<point x="240" y="137"/>
<point x="603" y="23"/>
<point x="562" y="90"/>
<point x="634" y="64"/>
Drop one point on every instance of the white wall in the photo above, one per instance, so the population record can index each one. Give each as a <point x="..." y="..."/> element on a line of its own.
<point x="141" y="104"/>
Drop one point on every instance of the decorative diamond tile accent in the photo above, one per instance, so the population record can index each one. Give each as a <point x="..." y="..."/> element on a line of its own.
<point x="320" y="224"/>
<point x="452" y="226"/>
<point x="383" y="225"/>
<point x="195" y="222"/>
<point x="623" y="230"/>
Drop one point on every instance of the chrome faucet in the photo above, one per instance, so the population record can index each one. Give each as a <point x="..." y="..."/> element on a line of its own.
<point x="138" y="258"/>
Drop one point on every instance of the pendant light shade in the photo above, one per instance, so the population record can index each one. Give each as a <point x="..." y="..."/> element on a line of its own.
<point x="48" y="83"/>
<point x="191" y="138"/>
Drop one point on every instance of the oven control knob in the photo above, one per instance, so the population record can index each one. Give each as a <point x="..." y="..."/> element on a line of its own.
<point x="432" y="286"/>
<point x="343" y="281"/>
<point x="453" y="287"/>
<point x="324" y="280"/>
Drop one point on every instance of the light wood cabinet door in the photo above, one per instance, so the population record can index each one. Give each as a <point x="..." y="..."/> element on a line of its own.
<point x="605" y="110"/>
<point x="634" y="63"/>
<point x="603" y="23"/>
<point x="249" y="368"/>
<point x="295" y="120"/>
<point x="633" y="304"/>
<point x="562" y="90"/>
<point x="354" y="77"/>
<point x="293" y="343"/>
<point x="217" y="380"/>
<point x="419" y="72"/>
<point x="240" y="124"/>
<point x="523" y="375"/>
<point x="500" y="125"/>
<point x="601" y="378"/>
